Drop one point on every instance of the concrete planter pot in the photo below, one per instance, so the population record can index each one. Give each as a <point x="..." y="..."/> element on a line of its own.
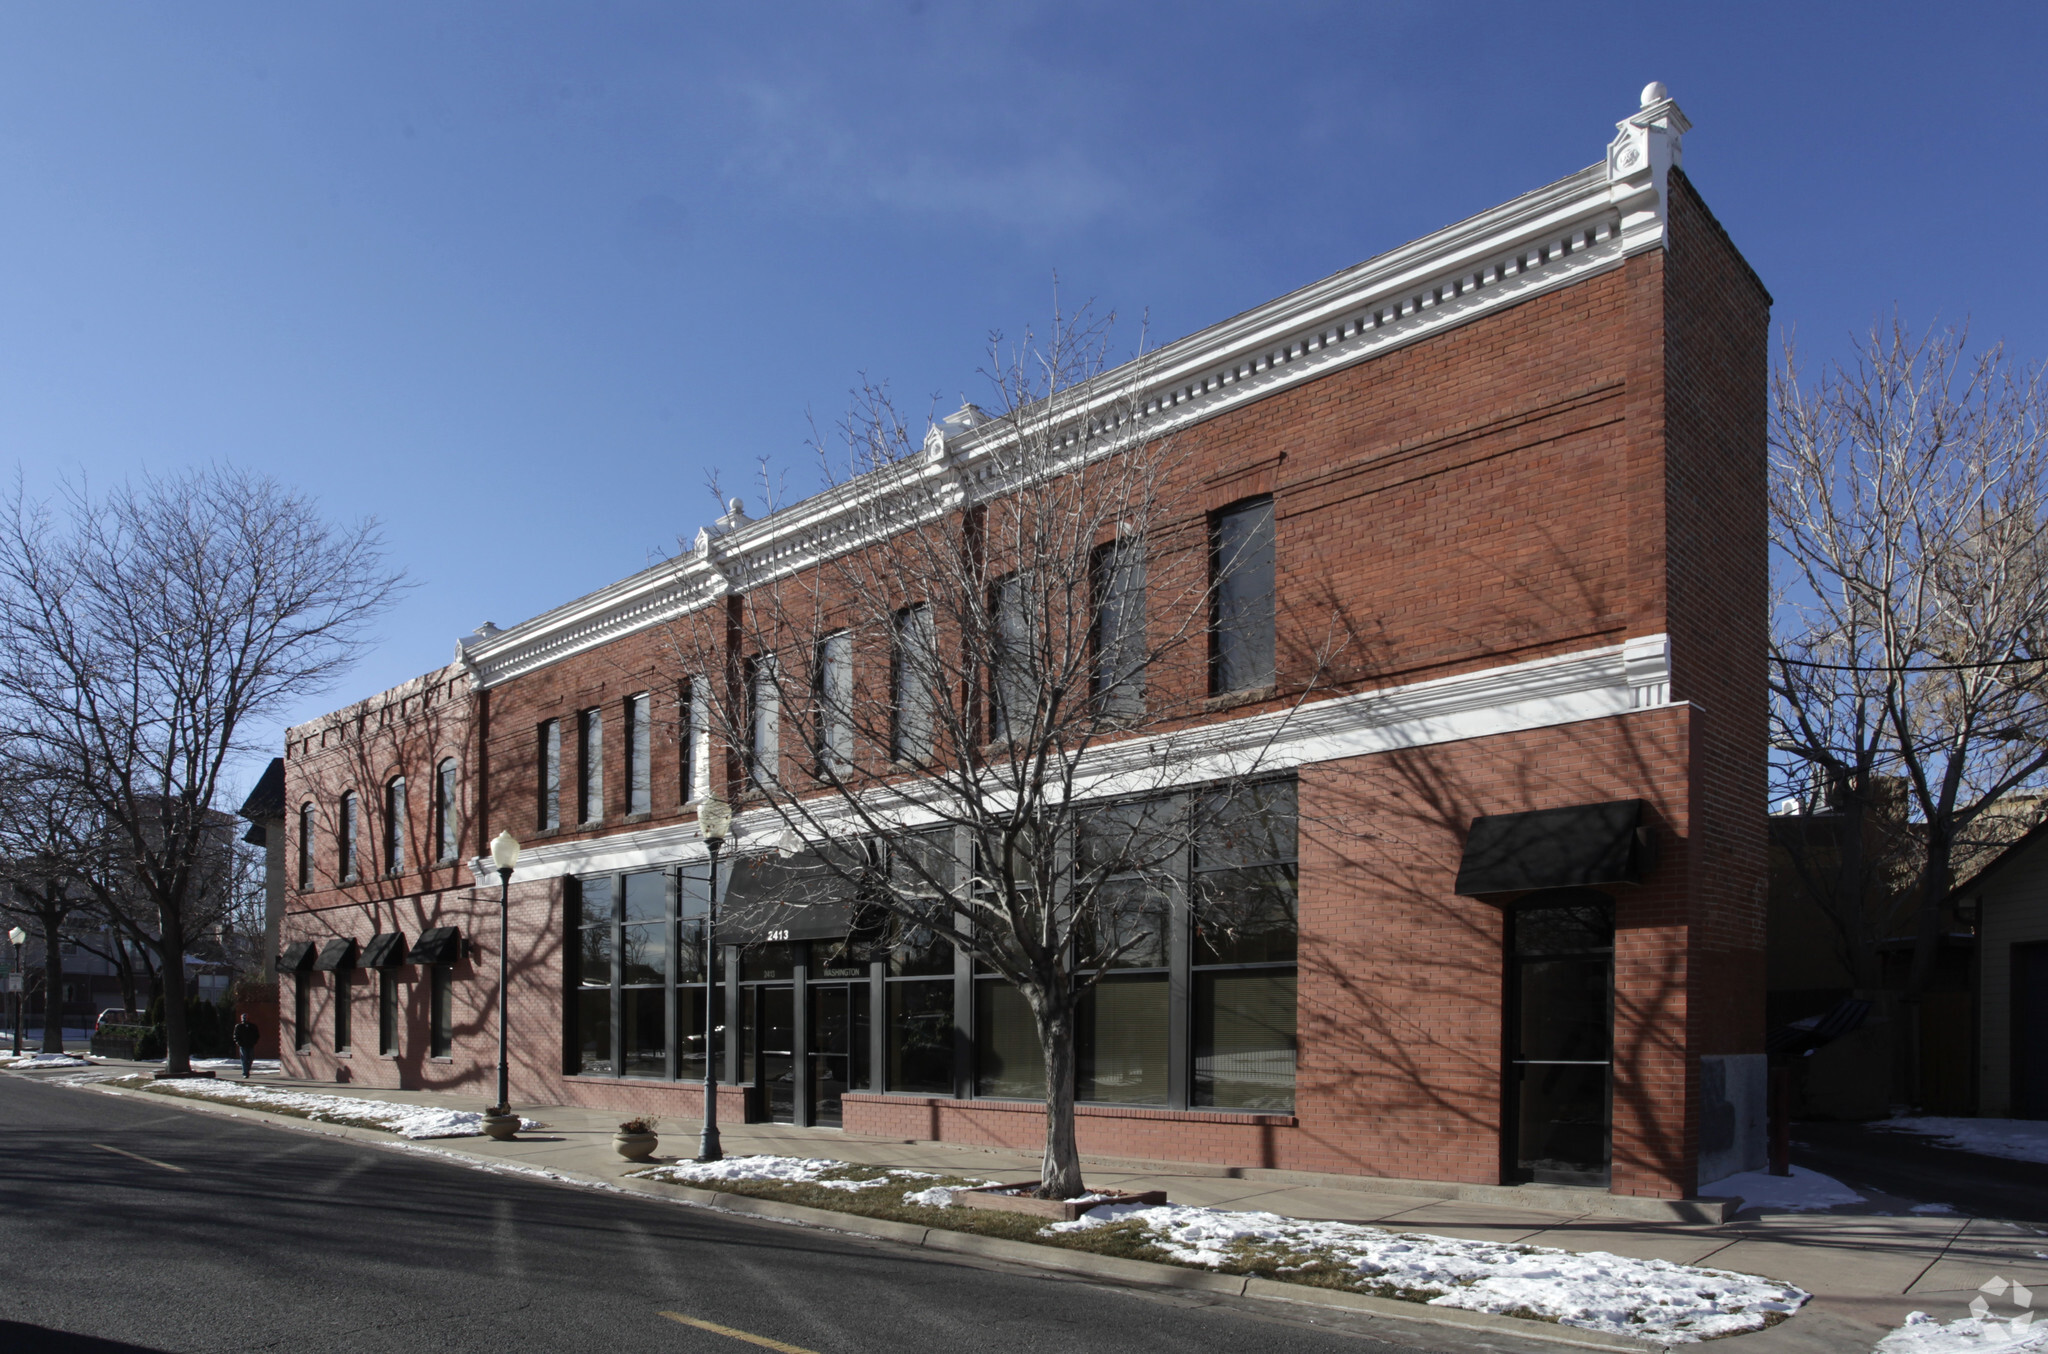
<point x="1017" y="1199"/>
<point x="500" y="1126"/>
<point x="635" y="1146"/>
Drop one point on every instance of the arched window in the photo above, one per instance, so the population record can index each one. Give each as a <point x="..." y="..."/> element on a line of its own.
<point x="394" y="825"/>
<point x="445" y="843"/>
<point x="306" y="845"/>
<point x="345" y="839"/>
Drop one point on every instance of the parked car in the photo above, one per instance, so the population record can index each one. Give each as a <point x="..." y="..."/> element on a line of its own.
<point x="118" y="1017"/>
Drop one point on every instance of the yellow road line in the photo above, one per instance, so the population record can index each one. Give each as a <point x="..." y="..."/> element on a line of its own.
<point x="121" y="1151"/>
<point x="732" y="1334"/>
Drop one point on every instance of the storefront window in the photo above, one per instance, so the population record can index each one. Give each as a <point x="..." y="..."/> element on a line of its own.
<point x="921" y="1037"/>
<point x="1192" y="940"/>
<point x="1122" y="1057"/>
<point x="1245" y="918"/>
<point x="592" y="996"/>
<point x="643" y="974"/>
<point x="1009" y="1060"/>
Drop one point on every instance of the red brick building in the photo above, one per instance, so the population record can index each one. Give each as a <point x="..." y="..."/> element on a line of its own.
<point x="1526" y="451"/>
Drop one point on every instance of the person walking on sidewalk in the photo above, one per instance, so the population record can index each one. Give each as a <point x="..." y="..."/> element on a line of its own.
<point x="246" y="1035"/>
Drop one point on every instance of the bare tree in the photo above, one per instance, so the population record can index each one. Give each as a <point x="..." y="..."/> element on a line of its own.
<point x="51" y="855"/>
<point x="145" y="635"/>
<point x="1908" y="495"/>
<point x="971" y="710"/>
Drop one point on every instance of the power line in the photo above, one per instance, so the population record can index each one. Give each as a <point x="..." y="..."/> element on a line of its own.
<point x="1879" y="667"/>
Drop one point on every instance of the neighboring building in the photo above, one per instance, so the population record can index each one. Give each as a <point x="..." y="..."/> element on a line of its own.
<point x="264" y="809"/>
<point x="1526" y="452"/>
<point x="1840" y="964"/>
<point x="2008" y="900"/>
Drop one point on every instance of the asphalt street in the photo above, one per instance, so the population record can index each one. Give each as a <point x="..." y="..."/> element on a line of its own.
<point x="129" y="1226"/>
<point x="1909" y="1167"/>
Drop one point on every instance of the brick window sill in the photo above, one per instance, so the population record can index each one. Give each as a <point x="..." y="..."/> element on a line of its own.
<point x="1230" y="700"/>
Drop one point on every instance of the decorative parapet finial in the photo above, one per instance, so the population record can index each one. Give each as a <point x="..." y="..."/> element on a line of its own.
<point x="735" y="517"/>
<point x="1646" y="147"/>
<point x="967" y="417"/>
<point x="488" y="630"/>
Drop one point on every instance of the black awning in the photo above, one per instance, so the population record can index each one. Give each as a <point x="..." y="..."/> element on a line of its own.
<point x="336" y="955"/>
<point x="385" y="950"/>
<point x="800" y="897"/>
<point x="297" y="957"/>
<point x="437" y="945"/>
<point x="1556" y="849"/>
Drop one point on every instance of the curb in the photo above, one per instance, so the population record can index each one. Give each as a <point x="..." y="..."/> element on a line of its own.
<point x="1116" y="1269"/>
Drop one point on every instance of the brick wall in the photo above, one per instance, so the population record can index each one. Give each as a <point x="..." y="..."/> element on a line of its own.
<point x="1580" y="469"/>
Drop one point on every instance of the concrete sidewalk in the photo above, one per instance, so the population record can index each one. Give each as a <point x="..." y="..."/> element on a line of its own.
<point x="1866" y="1270"/>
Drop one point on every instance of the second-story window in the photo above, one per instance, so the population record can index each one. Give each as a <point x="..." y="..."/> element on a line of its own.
<point x="1013" y="694"/>
<point x="345" y="839"/>
<point x="833" y="696"/>
<point x="912" y="679"/>
<point x="639" y="754"/>
<point x="764" y="755"/>
<point x="1241" y="632"/>
<point x="445" y="843"/>
<point x="394" y="825"/>
<point x="1119" y="586"/>
<point x="550" y="779"/>
<point x="306" y="845"/>
<point x="693" y="755"/>
<point x="590" y="767"/>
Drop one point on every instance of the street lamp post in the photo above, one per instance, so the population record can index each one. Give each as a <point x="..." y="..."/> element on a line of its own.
<point x="18" y="936"/>
<point x="505" y="854"/>
<point x="714" y="822"/>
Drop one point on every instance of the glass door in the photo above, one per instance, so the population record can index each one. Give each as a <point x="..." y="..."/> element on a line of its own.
<point x="1561" y="1038"/>
<point x="837" y="1047"/>
<point x="772" y="1024"/>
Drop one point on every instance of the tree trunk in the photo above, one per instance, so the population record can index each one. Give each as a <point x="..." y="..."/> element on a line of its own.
<point x="1934" y="890"/>
<point x="53" y="983"/>
<point x="1059" y="1174"/>
<point x="177" y="1039"/>
<point x="124" y="969"/>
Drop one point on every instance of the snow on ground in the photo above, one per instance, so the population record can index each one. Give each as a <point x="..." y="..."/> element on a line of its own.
<point x="1803" y="1191"/>
<point x="259" y="1067"/>
<point x="408" y="1121"/>
<point x="789" y="1170"/>
<point x="2019" y="1139"/>
<point x="1922" y="1334"/>
<point x="1649" y="1299"/>
<point x="32" y="1060"/>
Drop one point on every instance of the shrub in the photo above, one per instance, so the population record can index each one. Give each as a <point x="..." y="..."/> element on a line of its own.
<point x="209" y="1029"/>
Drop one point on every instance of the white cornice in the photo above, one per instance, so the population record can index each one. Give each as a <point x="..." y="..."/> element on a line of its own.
<point x="1544" y="693"/>
<point x="1553" y="237"/>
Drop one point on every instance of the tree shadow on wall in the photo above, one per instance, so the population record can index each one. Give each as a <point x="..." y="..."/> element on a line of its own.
<point x="1403" y="1013"/>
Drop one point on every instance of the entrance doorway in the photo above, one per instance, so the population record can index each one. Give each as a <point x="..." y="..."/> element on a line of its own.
<point x="774" y="1027"/>
<point x="1560" y="1038"/>
<point x="836" y="1047"/>
<point x="768" y="1027"/>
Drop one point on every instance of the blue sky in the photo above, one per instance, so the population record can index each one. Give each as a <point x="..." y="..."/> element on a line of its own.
<point x="516" y="279"/>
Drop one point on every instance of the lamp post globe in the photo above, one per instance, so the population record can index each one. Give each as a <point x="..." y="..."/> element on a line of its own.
<point x="714" y="824"/>
<point x="505" y="855"/>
